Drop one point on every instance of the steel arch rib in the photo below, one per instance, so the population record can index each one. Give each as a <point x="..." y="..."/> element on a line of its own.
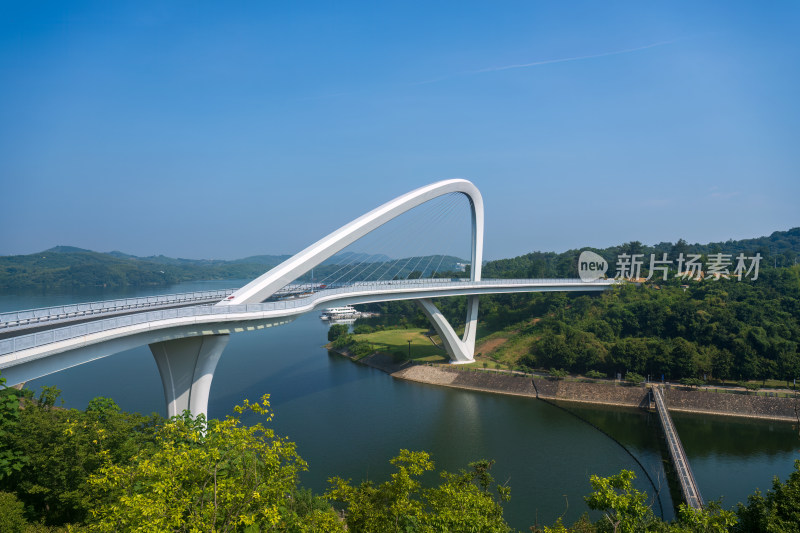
<point x="267" y="284"/>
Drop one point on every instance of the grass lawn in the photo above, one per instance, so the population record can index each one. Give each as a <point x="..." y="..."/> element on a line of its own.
<point x="509" y="352"/>
<point x="395" y="341"/>
<point x="770" y="383"/>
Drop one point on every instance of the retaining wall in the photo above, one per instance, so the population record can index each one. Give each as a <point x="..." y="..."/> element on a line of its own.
<point x="465" y="379"/>
<point x="728" y="403"/>
<point x="677" y="399"/>
<point x="602" y="393"/>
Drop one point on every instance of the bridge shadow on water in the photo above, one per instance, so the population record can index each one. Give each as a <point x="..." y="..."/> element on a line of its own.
<point x="288" y="384"/>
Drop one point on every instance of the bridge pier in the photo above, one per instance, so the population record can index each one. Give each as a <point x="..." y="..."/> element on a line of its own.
<point x="187" y="367"/>
<point x="461" y="350"/>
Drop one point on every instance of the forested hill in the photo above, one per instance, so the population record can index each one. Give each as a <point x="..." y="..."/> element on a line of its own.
<point x="782" y="248"/>
<point x="71" y="267"/>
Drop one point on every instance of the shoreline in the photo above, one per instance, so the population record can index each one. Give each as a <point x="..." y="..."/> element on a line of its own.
<point x="694" y="401"/>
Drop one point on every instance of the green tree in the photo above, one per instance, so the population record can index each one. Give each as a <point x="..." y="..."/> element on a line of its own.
<point x="778" y="511"/>
<point x="336" y="331"/>
<point x="465" y="502"/>
<point x="594" y="374"/>
<point x="63" y="449"/>
<point x="630" y="355"/>
<point x="710" y="519"/>
<point x="215" y="476"/>
<point x="462" y="502"/>
<point x="12" y="518"/>
<point x="391" y="506"/>
<point x="691" y="382"/>
<point x="11" y="459"/>
<point x="624" y="508"/>
<point x="684" y="358"/>
<point x="633" y="377"/>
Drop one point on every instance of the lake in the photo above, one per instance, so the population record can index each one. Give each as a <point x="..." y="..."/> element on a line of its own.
<point x="349" y="420"/>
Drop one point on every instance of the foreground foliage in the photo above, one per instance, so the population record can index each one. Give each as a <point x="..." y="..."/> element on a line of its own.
<point x="463" y="502"/>
<point x="105" y="470"/>
<point x="215" y="476"/>
<point x="58" y="449"/>
<point x="778" y="511"/>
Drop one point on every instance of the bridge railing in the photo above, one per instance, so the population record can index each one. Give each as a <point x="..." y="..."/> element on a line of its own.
<point x="24" y="342"/>
<point x="689" y="488"/>
<point x="60" y="312"/>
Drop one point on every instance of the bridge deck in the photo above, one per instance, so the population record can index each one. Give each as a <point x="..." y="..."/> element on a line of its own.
<point x="25" y="356"/>
<point x="689" y="488"/>
<point x="30" y="320"/>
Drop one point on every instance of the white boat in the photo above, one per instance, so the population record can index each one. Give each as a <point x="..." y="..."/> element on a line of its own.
<point x="338" y="313"/>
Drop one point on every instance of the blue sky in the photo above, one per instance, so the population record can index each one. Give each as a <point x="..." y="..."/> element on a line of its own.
<point x="221" y="130"/>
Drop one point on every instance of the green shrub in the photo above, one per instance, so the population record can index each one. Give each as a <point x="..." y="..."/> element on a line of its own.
<point x="633" y="377"/>
<point x="12" y="519"/>
<point x="343" y="341"/>
<point x="749" y="386"/>
<point x="336" y="331"/>
<point x="361" y="349"/>
<point x="691" y="382"/>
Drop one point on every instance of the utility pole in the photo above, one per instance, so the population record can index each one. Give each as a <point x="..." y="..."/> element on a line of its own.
<point x="409" y="349"/>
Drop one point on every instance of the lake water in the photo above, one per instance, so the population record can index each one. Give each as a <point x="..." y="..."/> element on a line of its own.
<point x="349" y="420"/>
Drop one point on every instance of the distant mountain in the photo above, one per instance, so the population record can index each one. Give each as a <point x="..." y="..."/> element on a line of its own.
<point x="270" y="260"/>
<point x="73" y="267"/>
<point x="70" y="267"/>
<point x="356" y="257"/>
<point x="66" y="250"/>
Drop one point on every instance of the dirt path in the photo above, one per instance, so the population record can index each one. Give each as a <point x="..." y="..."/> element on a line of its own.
<point x="490" y="345"/>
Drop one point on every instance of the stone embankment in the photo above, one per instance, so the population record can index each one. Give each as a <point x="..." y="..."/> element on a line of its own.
<point x="715" y="401"/>
<point x="599" y="393"/>
<point x="496" y="382"/>
<point x="709" y="401"/>
<point x="605" y="393"/>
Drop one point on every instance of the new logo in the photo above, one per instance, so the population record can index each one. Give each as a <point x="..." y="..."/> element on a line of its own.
<point x="591" y="266"/>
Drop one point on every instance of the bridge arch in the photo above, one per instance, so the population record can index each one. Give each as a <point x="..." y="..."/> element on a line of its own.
<point x="278" y="277"/>
<point x="186" y="349"/>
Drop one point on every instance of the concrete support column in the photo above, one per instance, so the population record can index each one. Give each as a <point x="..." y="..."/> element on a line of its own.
<point x="187" y="367"/>
<point x="471" y="327"/>
<point x="460" y="350"/>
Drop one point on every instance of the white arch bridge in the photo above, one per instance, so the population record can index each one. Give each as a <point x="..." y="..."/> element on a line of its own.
<point x="187" y="335"/>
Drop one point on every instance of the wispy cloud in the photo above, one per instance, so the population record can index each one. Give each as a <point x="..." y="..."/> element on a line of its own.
<point x="523" y="65"/>
<point x="574" y="58"/>
<point x="549" y="61"/>
<point x="724" y="195"/>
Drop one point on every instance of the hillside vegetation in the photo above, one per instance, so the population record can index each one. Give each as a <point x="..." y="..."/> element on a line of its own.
<point x="74" y="268"/>
<point x="714" y="328"/>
